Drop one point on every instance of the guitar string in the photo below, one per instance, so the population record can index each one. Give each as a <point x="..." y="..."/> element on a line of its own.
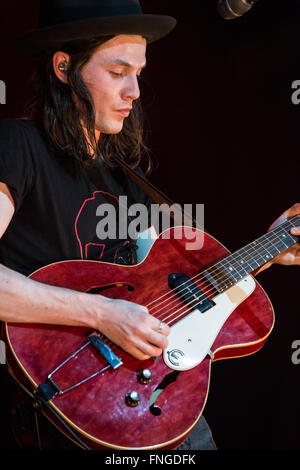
<point x="189" y="283"/>
<point x="202" y="297"/>
<point x="193" y="297"/>
<point x="185" y="305"/>
<point x="192" y="285"/>
<point x="280" y="228"/>
<point x="213" y="269"/>
<point x="192" y="289"/>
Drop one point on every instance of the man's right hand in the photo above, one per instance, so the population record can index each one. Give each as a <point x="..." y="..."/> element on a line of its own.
<point x="131" y="327"/>
<point x="126" y="324"/>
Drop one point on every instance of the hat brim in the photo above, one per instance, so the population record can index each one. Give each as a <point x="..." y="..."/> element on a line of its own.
<point x="152" y="27"/>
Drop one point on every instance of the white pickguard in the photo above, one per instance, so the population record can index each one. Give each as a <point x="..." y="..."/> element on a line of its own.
<point x="191" y="338"/>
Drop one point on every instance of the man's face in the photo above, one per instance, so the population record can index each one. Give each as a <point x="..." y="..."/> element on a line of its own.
<point x="111" y="75"/>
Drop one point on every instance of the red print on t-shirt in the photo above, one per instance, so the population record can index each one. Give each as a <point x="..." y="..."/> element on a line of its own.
<point x="85" y="228"/>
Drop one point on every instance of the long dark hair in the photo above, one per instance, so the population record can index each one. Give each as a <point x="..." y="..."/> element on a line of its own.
<point x="52" y="105"/>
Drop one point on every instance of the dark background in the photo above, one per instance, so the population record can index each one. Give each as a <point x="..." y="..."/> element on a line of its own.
<point x="217" y="96"/>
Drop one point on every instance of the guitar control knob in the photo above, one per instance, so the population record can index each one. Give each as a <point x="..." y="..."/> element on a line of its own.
<point x="145" y="376"/>
<point x="132" y="398"/>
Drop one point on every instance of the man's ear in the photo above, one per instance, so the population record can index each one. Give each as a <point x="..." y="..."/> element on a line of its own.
<point x="61" y="62"/>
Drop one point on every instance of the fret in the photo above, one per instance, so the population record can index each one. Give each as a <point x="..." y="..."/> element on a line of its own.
<point x="254" y="250"/>
<point x="248" y="256"/>
<point x="287" y="238"/>
<point x="280" y="240"/>
<point x="217" y="278"/>
<point x="257" y="254"/>
<point x="273" y="246"/>
<point x="267" y="250"/>
<point x="242" y="261"/>
<point x="235" y="273"/>
<point x="228" y="271"/>
<point x="294" y="221"/>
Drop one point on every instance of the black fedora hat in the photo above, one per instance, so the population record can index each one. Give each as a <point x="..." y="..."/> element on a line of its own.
<point x="62" y="21"/>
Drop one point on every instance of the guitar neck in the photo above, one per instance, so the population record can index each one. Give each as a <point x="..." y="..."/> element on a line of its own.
<point x="239" y="264"/>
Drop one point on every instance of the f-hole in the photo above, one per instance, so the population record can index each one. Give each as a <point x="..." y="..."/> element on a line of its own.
<point x="97" y="290"/>
<point x="167" y="380"/>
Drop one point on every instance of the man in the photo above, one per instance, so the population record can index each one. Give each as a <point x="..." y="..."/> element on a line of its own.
<point x="56" y="168"/>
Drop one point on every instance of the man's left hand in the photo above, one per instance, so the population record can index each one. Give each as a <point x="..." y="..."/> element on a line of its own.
<point x="291" y="255"/>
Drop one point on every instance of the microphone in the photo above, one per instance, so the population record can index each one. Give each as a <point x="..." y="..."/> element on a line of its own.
<point x="230" y="9"/>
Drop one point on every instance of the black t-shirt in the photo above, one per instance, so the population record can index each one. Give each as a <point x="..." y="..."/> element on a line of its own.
<point x="58" y="204"/>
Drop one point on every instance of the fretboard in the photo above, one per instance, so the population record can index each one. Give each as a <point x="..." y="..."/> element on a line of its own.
<point x="239" y="264"/>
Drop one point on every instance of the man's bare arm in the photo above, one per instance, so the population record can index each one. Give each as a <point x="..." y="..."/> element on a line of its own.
<point x="24" y="300"/>
<point x="7" y="208"/>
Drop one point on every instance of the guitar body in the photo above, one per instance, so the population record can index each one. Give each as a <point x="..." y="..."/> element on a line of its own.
<point x="96" y="410"/>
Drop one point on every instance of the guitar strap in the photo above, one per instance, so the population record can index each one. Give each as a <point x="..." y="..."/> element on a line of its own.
<point x="157" y="195"/>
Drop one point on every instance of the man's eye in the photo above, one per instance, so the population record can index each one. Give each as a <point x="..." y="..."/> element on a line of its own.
<point x="116" y="74"/>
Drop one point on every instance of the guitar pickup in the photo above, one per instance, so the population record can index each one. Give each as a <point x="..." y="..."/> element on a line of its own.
<point x="189" y="292"/>
<point x="105" y="350"/>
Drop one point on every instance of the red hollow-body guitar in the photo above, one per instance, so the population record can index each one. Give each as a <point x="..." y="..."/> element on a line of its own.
<point x="108" y="399"/>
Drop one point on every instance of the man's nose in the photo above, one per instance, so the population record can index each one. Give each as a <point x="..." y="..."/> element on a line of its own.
<point x="131" y="90"/>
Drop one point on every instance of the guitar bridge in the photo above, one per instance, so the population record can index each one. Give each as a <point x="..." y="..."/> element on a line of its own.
<point x="49" y="389"/>
<point x="104" y="349"/>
